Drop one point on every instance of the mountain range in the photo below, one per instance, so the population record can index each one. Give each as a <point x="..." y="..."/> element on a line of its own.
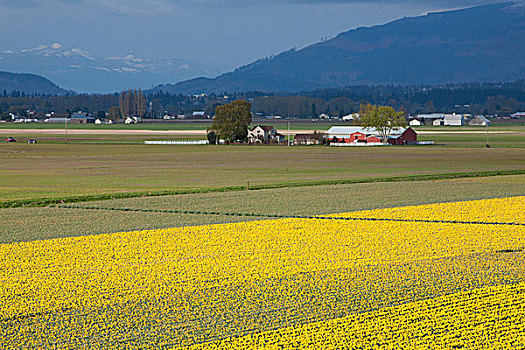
<point x="478" y="44"/>
<point x="28" y="84"/>
<point x="77" y="69"/>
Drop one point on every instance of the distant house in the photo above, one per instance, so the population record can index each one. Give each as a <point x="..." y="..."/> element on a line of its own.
<point x="428" y="119"/>
<point x="264" y="134"/>
<point x="454" y="120"/>
<point x="518" y="115"/>
<point x="438" y="122"/>
<point x="309" y="139"/>
<point x="199" y="115"/>
<point x="82" y="118"/>
<point x="356" y="134"/>
<point x="479" y="120"/>
<point x="56" y="118"/>
<point x="350" y="117"/>
<point x="132" y="120"/>
<point x="79" y="115"/>
<point x="415" y="122"/>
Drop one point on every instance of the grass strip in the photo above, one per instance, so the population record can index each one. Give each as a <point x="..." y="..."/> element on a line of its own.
<point x="42" y="202"/>
<point x="279" y="216"/>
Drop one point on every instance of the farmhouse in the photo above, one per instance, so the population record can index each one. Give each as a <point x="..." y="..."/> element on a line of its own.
<point x="357" y="134"/>
<point x="454" y="120"/>
<point x="438" y="119"/>
<point x="479" y="120"/>
<point x="309" y="139"/>
<point x="416" y="122"/>
<point x="264" y="134"/>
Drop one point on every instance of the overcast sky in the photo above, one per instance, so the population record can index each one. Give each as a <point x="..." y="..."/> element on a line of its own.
<point x="225" y="33"/>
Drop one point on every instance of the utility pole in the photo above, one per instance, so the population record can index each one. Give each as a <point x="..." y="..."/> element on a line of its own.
<point x="66" y="129"/>
<point x="487" y="144"/>
<point x="288" y="133"/>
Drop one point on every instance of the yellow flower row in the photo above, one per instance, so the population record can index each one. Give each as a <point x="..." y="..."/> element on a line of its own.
<point x="184" y="286"/>
<point x="487" y="318"/>
<point x="488" y="210"/>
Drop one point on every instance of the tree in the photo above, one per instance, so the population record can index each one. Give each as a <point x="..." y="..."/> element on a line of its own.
<point x="125" y="104"/>
<point x="313" y="111"/>
<point x="231" y="121"/>
<point x="141" y="103"/>
<point x="212" y="137"/>
<point x="382" y="119"/>
<point x="429" y="107"/>
<point x="114" y="113"/>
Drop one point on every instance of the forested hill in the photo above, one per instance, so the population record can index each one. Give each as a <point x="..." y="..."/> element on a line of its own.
<point x="28" y="84"/>
<point x="479" y="44"/>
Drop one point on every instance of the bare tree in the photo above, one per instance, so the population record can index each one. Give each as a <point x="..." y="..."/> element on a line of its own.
<point x="141" y="104"/>
<point x="125" y="104"/>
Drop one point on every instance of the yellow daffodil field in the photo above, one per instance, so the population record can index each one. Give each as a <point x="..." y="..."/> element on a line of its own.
<point x="446" y="275"/>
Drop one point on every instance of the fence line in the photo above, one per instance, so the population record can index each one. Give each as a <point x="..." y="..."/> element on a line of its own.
<point x="278" y="216"/>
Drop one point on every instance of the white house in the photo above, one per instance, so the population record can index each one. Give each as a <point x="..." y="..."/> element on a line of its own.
<point x="350" y="117"/>
<point x="454" y="120"/>
<point x="415" y="122"/>
<point x="479" y="120"/>
<point x="264" y="134"/>
<point x="132" y="120"/>
<point x="438" y="122"/>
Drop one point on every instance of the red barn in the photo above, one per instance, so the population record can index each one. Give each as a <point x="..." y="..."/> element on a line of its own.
<point x="355" y="134"/>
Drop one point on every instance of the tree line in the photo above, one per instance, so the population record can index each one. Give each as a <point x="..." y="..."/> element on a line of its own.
<point x="488" y="98"/>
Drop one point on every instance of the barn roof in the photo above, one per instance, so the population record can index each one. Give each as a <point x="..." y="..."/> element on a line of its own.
<point x="264" y="127"/>
<point x="481" y="118"/>
<point x="454" y="117"/>
<point x="310" y="136"/>
<point x="348" y="130"/>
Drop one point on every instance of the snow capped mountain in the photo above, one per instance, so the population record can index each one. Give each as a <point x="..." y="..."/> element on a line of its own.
<point x="79" y="70"/>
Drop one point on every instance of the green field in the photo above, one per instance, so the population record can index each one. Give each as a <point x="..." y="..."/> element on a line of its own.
<point x="120" y="165"/>
<point x="63" y="170"/>
<point x="25" y="224"/>
<point x="135" y="139"/>
<point x="455" y="139"/>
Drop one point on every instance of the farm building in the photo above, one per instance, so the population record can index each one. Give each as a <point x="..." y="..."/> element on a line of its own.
<point x="57" y="120"/>
<point x="350" y="117"/>
<point x="454" y="120"/>
<point x="309" y="139"/>
<point x="429" y="119"/>
<point x="357" y="134"/>
<point x="416" y="122"/>
<point x="479" y="120"/>
<point x="82" y="120"/>
<point x="264" y="134"/>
